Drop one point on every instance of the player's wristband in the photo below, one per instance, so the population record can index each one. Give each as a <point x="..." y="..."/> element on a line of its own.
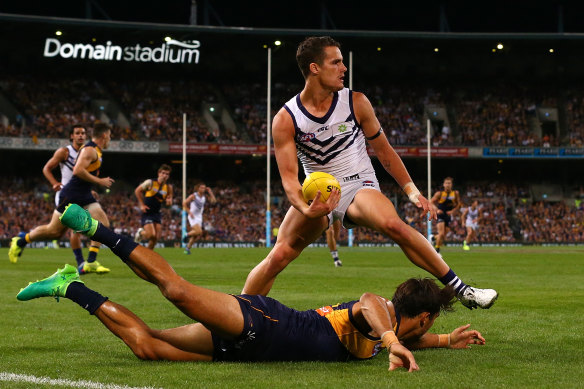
<point x="444" y="340"/>
<point x="411" y="191"/>
<point x="388" y="339"/>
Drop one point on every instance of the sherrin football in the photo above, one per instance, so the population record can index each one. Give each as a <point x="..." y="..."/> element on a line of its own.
<point x="319" y="181"/>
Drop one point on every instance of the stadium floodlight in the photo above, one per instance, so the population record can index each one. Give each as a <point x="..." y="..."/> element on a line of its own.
<point x="277" y="43"/>
<point x="551" y="50"/>
<point x="58" y="33"/>
<point x="500" y="46"/>
<point x="167" y="39"/>
<point x="436" y="49"/>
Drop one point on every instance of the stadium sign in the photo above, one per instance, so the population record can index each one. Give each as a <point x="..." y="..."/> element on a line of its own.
<point x="172" y="51"/>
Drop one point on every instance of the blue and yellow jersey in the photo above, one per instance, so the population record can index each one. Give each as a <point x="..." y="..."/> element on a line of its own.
<point x="447" y="201"/>
<point x="77" y="183"/>
<point x="155" y="196"/>
<point x="359" y="344"/>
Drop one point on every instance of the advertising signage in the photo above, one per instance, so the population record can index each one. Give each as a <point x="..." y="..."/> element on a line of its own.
<point x="172" y="51"/>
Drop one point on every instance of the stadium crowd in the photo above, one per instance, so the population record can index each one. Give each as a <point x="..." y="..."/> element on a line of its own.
<point x="508" y="214"/>
<point x="477" y="115"/>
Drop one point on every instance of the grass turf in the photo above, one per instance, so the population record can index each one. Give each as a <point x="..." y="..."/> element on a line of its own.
<point x="534" y="332"/>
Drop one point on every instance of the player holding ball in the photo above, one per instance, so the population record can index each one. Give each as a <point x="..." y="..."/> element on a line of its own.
<point x="327" y="127"/>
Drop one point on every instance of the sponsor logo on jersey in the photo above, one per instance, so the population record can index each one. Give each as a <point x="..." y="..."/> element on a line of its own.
<point x="306" y="137"/>
<point x="342" y="128"/>
<point x="369" y="183"/>
<point x="351" y="178"/>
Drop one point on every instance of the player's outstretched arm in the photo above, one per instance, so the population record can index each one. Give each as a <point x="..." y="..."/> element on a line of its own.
<point x="461" y="337"/>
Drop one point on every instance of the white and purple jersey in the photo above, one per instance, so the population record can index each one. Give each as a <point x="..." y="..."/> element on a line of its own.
<point x="334" y="143"/>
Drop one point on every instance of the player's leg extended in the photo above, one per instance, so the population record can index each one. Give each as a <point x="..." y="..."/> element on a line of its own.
<point x="296" y="232"/>
<point x="332" y="236"/>
<point x="145" y="342"/>
<point x="372" y="209"/>
<point x="53" y="230"/>
<point x="219" y="312"/>
<point x="187" y="343"/>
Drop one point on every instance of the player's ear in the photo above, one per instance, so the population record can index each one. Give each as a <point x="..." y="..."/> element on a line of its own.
<point x="314" y="68"/>
<point x="423" y="318"/>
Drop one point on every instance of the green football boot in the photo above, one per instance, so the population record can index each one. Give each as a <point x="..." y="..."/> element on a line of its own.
<point x="55" y="285"/>
<point x="79" y="220"/>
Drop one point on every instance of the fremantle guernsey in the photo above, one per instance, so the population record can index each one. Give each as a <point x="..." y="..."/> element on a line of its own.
<point x="67" y="165"/>
<point x="198" y="204"/>
<point x="334" y="143"/>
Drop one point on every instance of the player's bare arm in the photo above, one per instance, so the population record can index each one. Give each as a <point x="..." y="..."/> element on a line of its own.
<point x="373" y="309"/>
<point x="170" y="196"/>
<point x="59" y="156"/>
<point x="186" y="204"/>
<point x="86" y="157"/>
<point x="386" y="154"/>
<point x="460" y="338"/>
<point x="463" y="217"/>
<point x="457" y="201"/>
<point x="139" y="192"/>
<point x="212" y="198"/>
<point x="285" y="149"/>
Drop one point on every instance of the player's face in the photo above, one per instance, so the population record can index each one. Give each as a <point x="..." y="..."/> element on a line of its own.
<point x="78" y="136"/>
<point x="163" y="176"/>
<point x="447" y="185"/>
<point x="201" y="189"/>
<point x="332" y="71"/>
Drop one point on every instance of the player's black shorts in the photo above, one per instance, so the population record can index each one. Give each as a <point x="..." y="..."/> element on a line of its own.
<point x="444" y="218"/>
<point x="68" y="196"/>
<point x="274" y="332"/>
<point x="151" y="218"/>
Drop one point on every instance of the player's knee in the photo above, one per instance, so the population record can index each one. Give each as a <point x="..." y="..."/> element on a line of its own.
<point x="280" y="257"/>
<point x="396" y="229"/>
<point x="172" y="289"/>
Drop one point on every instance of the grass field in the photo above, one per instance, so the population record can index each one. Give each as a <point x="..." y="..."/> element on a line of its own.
<point x="533" y="332"/>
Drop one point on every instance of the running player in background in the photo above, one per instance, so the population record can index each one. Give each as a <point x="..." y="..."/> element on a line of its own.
<point x="65" y="158"/>
<point x="447" y="203"/>
<point x="78" y="191"/>
<point x="470" y="219"/>
<point x="256" y="328"/>
<point x="332" y="236"/>
<point x="195" y="205"/>
<point x="326" y="126"/>
<point x="151" y="194"/>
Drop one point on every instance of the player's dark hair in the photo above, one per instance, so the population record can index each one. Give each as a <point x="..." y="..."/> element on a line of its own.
<point x="165" y="167"/>
<point x="418" y="295"/>
<point x="99" y="129"/>
<point x="74" y="126"/>
<point x="312" y="50"/>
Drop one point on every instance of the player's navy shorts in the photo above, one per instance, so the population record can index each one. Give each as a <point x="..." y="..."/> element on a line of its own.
<point x="274" y="332"/>
<point x="151" y="218"/>
<point x="68" y="196"/>
<point x="444" y="218"/>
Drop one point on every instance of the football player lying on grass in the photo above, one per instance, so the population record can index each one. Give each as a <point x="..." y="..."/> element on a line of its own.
<point x="256" y="328"/>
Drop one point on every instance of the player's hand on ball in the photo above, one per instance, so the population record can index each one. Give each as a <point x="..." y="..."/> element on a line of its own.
<point x="319" y="208"/>
<point x="461" y="338"/>
<point x="399" y="356"/>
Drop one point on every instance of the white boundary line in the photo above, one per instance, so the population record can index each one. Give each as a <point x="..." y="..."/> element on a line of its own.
<point x="12" y="377"/>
